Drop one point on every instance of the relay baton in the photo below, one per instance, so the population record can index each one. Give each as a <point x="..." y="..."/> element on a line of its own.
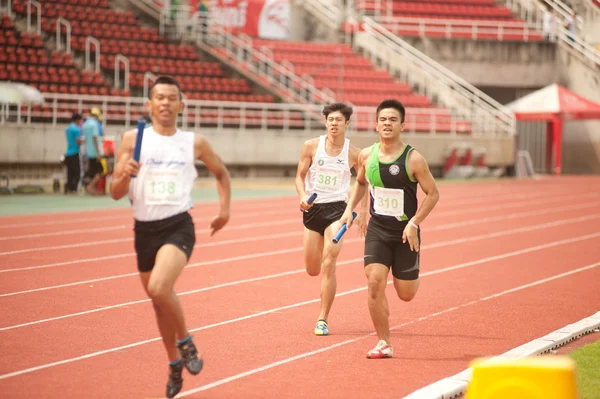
<point x="138" y="140"/>
<point x="311" y="199"/>
<point x="340" y="233"/>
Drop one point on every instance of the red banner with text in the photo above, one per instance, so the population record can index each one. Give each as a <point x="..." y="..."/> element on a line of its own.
<point x="268" y="19"/>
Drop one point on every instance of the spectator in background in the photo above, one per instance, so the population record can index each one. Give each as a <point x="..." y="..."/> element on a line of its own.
<point x="93" y="151"/>
<point x="73" y="133"/>
<point x="203" y="16"/>
<point x="571" y="26"/>
<point x="549" y="25"/>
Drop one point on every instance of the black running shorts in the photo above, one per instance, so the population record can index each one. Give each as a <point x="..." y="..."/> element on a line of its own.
<point x="151" y="236"/>
<point x="321" y="215"/>
<point x="385" y="246"/>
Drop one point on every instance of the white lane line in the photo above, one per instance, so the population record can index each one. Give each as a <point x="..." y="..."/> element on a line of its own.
<point x="289" y="250"/>
<point x="126" y="212"/>
<point x="353" y="340"/>
<point x="65" y="218"/>
<point x="96" y="259"/>
<point x="130" y="226"/>
<point x="484" y="260"/>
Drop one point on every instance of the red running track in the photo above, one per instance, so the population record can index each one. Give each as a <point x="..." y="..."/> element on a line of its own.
<point x="502" y="263"/>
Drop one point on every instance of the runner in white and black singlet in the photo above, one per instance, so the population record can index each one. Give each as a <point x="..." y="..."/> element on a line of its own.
<point x="391" y="171"/>
<point x="160" y="196"/>
<point x="325" y="169"/>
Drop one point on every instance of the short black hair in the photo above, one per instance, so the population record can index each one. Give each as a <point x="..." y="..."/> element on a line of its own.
<point x="395" y="104"/>
<point x="346" y="110"/>
<point x="165" y="80"/>
<point x="75" y="117"/>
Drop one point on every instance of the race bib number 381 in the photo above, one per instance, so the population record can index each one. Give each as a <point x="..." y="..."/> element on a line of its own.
<point x="389" y="201"/>
<point x="163" y="186"/>
<point x="329" y="180"/>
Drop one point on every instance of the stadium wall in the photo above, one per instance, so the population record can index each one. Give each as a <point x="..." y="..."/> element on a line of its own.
<point x="262" y="149"/>
<point x="493" y="63"/>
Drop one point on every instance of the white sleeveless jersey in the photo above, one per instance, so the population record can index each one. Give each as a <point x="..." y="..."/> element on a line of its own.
<point x="327" y="176"/>
<point x="167" y="172"/>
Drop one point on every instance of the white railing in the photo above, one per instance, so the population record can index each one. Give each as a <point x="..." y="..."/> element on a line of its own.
<point x="88" y="63"/>
<point x="375" y="8"/>
<point x="121" y="59"/>
<point x="239" y="51"/>
<point x="418" y="69"/>
<point x="60" y="21"/>
<point x="6" y="9"/>
<point x="533" y="12"/>
<point x="562" y="9"/>
<point x="328" y="14"/>
<point x="421" y="72"/>
<point x="149" y="78"/>
<point x="125" y="111"/>
<point x="38" y="7"/>
<point x="457" y="28"/>
<point x="148" y="6"/>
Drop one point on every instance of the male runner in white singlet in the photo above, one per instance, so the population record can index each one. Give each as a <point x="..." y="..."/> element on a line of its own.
<point x="324" y="169"/>
<point x="160" y="195"/>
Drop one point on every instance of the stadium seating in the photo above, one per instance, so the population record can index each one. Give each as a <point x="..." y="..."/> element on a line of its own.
<point x="26" y="60"/>
<point x="469" y="19"/>
<point x="353" y="78"/>
<point x="115" y="31"/>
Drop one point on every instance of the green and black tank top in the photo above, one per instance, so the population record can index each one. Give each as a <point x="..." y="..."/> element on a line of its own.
<point x="393" y="189"/>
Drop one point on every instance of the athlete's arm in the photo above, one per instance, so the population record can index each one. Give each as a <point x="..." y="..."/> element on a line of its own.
<point x="126" y="166"/>
<point x="359" y="189"/>
<point x="421" y="173"/>
<point x="306" y="155"/>
<point x="205" y="153"/>
<point x="363" y="214"/>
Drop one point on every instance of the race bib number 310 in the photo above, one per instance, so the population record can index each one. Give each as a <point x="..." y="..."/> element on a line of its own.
<point x="163" y="187"/>
<point x="389" y="201"/>
<point x="329" y="180"/>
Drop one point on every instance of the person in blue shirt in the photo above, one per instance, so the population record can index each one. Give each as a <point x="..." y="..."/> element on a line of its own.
<point x="93" y="151"/>
<point x="73" y="133"/>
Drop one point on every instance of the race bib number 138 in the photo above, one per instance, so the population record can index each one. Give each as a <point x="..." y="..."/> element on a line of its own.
<point x="163" y="187"/>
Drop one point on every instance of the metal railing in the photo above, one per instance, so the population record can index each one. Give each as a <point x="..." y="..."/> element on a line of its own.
<point x="125" y="111"/>
<point x="419" y="70"/>
<point x="60" y="21"/>
<point x="121" y="59"/>
<point x="149" y="7"/>
<point x="533" y="12"/>
<point x="458" y="28"/>
<point x="239" y="51"/>
<point x="374" y="8"/>
<point x="89" y="40"/>
<point x="38" y="26"/>
<point x="328" y="13"/>
<point x="6" y="9"/>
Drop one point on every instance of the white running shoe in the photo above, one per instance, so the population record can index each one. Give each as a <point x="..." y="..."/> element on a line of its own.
<point x="381" y="351"/>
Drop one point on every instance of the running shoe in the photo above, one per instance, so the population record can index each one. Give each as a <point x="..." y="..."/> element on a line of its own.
<point x="381" y="351"/>
<point x="175" y="380"/>
<point x="321" y="328"/>
<point x="189" y="356"/>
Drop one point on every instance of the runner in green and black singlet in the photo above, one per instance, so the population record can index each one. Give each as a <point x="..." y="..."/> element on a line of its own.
<point x="394" y="188"/>
<point x="391" y="171"/>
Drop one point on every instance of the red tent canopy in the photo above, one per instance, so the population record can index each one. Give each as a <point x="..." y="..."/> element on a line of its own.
<point x="554" y="104"/>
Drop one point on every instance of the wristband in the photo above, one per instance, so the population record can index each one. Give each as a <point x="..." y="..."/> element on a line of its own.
<point x="413" y="224"/>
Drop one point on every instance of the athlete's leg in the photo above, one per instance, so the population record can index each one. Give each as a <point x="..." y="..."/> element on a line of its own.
<point x="313" y="250"/>
<point x="170" y="261"/>
<point x="378" y="305"/>
<point x="406" y="289"/>
<point x="329" y="281"/>
<point x="405" y="269"/>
